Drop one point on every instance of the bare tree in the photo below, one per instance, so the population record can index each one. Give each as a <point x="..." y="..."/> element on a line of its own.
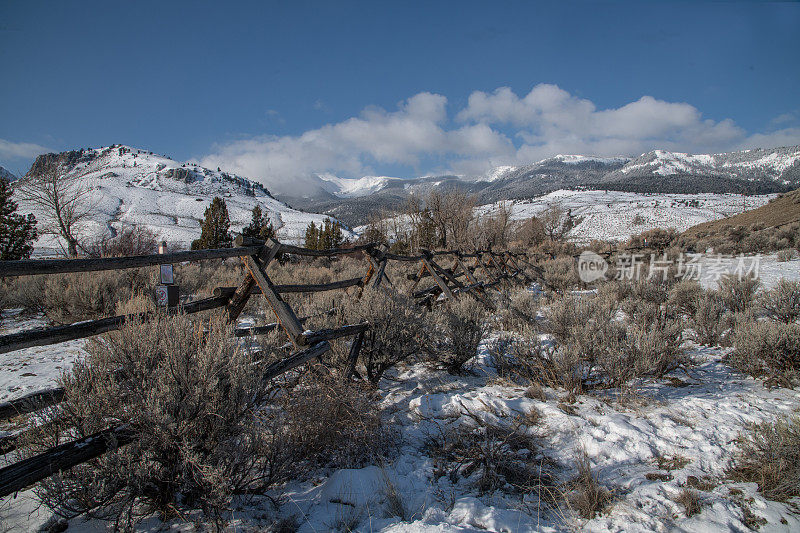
<point x="556" y="222"/>
<point x="64" y="200"/>
<point x="452" y="213"/>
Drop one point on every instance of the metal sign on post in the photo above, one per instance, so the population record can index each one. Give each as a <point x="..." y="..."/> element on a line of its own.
<point x="167" y="294"/>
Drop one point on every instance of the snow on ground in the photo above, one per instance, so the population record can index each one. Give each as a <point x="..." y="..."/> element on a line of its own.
<point x="643" y="448"/>
<point x="615" y="216"/>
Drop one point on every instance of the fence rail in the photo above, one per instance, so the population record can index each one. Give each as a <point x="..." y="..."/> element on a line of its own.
<point x="498" y="267"/>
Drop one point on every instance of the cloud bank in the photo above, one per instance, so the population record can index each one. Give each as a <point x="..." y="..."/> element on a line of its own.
<point x="11" y="150"/>
<point x="495" y="128"/>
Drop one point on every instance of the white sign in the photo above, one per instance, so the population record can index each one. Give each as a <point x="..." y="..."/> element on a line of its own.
<point x="162" y="295"/>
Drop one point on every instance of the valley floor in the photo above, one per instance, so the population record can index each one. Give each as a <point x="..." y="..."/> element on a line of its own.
<point x="644" y="447"/>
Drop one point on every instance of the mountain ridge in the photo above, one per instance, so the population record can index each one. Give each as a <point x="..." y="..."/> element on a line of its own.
<point x="754" y="172"/>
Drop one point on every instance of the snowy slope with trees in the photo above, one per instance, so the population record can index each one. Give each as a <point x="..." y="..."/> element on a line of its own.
<point x="128" y="186"/>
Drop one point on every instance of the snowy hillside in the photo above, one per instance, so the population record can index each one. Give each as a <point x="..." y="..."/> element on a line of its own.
<point x="781" y="165"/>
<point x="131" y="186"/>
<point x="611" y="215"/>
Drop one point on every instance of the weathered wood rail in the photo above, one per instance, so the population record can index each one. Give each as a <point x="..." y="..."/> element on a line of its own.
<point x="497" y="267"/>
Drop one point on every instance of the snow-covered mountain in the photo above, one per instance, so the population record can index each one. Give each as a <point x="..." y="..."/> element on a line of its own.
<point x="5" y="174"/>
<point x="132" y="186"/>
<point x="755" y="172"/>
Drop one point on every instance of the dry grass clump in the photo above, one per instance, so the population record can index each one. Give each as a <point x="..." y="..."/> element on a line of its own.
<point x="189" y="394"/>
<point x="691" y="502"/>
<point x="767" y="349"/>
<point x="465" y="324"/>
<point x="326" y="422"/>
<point x="584" y="493"/>
<point x="769" y="454"/>
<point x="783" y="301"/>
<point x="786" y="255"/>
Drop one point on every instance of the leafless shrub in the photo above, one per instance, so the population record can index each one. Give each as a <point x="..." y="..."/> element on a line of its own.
<point x="738" y="292"/>
<point x="783" y="301"/>
<point x="585" y="494"/>
<point x="710" y="319"/>
<point x="683" y="296"/>
<point x="131" y="240"/>
<point x="465" y="324"/>
<point x="399" y="331"/>
<point x="786" y="255"/>
<point x="767" y="349"/>
<point x="191" y="396"/>
<point x="769" y="454"/>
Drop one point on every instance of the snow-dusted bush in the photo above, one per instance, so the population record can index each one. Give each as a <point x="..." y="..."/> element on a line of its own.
<point x="786" y="255"/>
<point x="767" y="349"/>
<point x="783" y="301"/>
<point x="594" y="348"/>
<point x="465" y="324"/>
<point x="738" y="292"/>
<point x="769" y="454"/>
<point x="324" y="421"/>
<point x="492" y="456"/>
<point x="189" y="394"/>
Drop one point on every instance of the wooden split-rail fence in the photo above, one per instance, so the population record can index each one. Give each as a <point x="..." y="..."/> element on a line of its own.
<point x="487" y="269"/>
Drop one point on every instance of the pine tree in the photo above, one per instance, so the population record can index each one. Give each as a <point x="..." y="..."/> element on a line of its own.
<point x="17" y="232"/>
<point x="260" y="226"/>
<point x="312" y="236"/>
<point x="215" y="227"/>
<point x="330" y="235"/>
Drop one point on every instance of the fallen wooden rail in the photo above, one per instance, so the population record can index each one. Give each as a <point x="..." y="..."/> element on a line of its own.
<point x="31" y="402"/>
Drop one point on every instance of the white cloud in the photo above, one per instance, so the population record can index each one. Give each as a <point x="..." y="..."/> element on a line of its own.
<point x="545" y="122"/>
<point x="11" y="150"/>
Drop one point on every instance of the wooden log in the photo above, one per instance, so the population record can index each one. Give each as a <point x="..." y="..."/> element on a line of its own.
<point x="409" y="258"/>
<point x="352" y="358"/>
<point x="439" y="281"/>
<point x="30" y="267"/>
<point x="447" y="274"/>
<point x="262" y="330"/>
<point x="25" y="473"/>
<point x="296" y="250"/>
<point x="284" y="365"/>
<point x="433" y="290"/>
<point x="31" y="402"/>
<point x="241" y="295"/>
<point x="55" y="335"/>
<point x="467" y="272"/>
<point x="284" y="289"/>
<point x="285" y="314"/>
<point x="337" y="333"/>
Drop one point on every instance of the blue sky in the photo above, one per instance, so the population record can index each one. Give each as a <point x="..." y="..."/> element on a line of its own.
<point x="280" y="90"/>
